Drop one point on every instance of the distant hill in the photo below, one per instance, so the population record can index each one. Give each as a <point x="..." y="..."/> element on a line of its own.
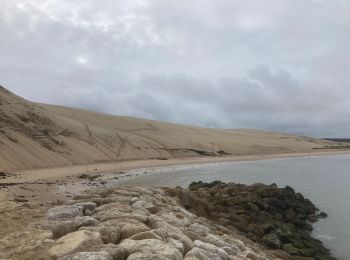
<point x="36" y="135"/>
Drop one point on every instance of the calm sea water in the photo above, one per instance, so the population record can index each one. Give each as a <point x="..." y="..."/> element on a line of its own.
<point x="325" y="180"/>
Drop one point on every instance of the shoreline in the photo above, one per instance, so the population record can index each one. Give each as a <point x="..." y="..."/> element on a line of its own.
<point x="57" y="173"/>
<point x="42" y="192"/>
<point x="40" y="188"/>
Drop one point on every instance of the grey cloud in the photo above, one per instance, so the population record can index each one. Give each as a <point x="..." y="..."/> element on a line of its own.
<point x="274" y="65"/>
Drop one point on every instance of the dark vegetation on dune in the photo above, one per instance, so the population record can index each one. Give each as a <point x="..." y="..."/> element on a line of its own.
<point x="278" y="218"/>
<point x="342" y="140"/>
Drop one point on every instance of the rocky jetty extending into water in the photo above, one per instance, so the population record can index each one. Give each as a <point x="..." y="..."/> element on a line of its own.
<point x="205" y="222"/>
<point x="278" y="218"/>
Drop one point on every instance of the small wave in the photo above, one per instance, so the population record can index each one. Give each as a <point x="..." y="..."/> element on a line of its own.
<point x="326" y="237"/>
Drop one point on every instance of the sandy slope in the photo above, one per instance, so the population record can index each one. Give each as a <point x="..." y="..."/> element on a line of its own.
<point x="36" y="135"/>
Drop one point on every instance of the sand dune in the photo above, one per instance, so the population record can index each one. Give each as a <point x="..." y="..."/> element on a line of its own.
<point x="36" y="135"/>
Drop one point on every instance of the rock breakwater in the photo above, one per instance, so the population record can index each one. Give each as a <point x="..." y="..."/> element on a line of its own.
<point x="128" y="223"/>
<point x="278" y="218"/>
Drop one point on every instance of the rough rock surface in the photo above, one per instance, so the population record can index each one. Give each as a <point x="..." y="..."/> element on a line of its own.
<point x="128" y="223"/>
<point x="278" y="218"/>
<point x="75" y="242"/>
<point x="102" y="255"/>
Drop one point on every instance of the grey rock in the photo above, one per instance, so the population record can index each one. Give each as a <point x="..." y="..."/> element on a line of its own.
<point x="197" y="253"/>
<point x="145" y="235"/>
<point x="86" y="205"/>
<point x="85" y="196"/>
<point x="78" y="241"/>
<point x="142" y="205"/>
<point x="147" y="256"/>
<point x="117" y="252"/>
<point x="62" y="227"/>
<point x="102" y="255"/>
<point x="131" y="229"/>
<point x="231" y="249"/>
<point x="211" y="249"/>
<point x="151" y="246"/>
<point x="109" y="233"/>
<point x="64" y="212"/>
<point x="177" y="244"/>
<point x="177" y="235"/>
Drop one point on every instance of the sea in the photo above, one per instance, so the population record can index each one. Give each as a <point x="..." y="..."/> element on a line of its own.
<point x="325" y="180"/>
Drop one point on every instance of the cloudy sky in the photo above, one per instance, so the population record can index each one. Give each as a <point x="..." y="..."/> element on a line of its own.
<point x="280" y="65"/>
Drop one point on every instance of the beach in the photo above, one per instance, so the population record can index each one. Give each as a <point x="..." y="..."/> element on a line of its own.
<point x="31" y="192"/>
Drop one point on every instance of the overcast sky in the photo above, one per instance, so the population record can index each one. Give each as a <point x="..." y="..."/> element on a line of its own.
<point x="280" y="65"/>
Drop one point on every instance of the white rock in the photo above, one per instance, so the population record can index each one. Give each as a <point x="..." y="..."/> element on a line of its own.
<point x="115" y="251"/>
<point x="231" y="249"/>
<point x="191" y="258"/>
<point x="209" y="249"/>
<point x="234" y="241"/>
<point x="62" y="227"/>
<point x="64" y="212"/>
<point x="145" y="235"/>
<point x="196" y="231"/>
<point x="84" y="196"/>
<point x="177" y="244"/>
<point x="116" y="213"/>
<point x="254" y="256"/>
<point x="102" y="255"/>
<point x="142" y="205"/>
<point x="152" y="246"/>
<point x="171" y="219"/>
<point x="86" y="205"/>
<point x="121" y="199"/>
<point x="74" y="242"/>
<point x="109" y="233"/>
<point x="131" y="229"/>
<point x="200" y="229"/>
<point x="200" y="254"/>
<point x="177" y="235"/>
<point x="234" y="257"/>
<point x="146" y="256"/>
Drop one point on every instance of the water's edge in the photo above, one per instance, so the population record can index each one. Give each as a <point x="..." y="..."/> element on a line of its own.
<point x="308" y="175"/>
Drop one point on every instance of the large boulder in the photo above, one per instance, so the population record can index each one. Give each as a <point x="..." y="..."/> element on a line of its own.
<point x="177" y="244"/>
<point x="200" y="254"/>
<point x="231" y="249"/>
<point x="109" y="233"/>
<point x="86" y="205"/>
<point x="102" y="255"/>
<point x="75" y="242"/>
<point x="64" y="212"/>
<point x="151" y="246"/>
<point x="145" y="235"/>
<point x="196" y="231"/>
<point x="177" y="235"/>
<point x="147" y="256"/>
<point x="211" y="249"/>
<point x="117" y="213"/>
<point x="62" y="227"/>
<point x="141" y="204"/>
<point x="131" y="229"/>
<point x="115" y="251"/>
